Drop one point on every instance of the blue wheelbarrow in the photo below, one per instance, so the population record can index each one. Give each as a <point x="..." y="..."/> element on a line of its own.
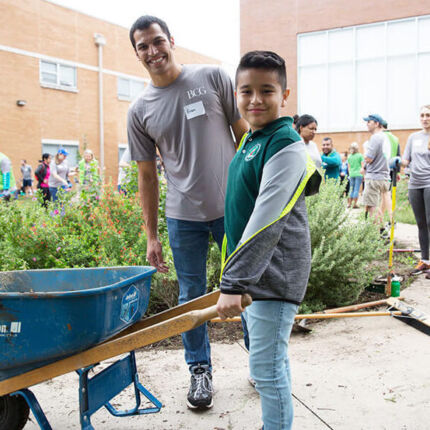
<point x="56" y="321"/>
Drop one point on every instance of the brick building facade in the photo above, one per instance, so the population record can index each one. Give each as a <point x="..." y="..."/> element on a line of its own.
<point x="278" y="24"/>
<point x="49" y="82"/>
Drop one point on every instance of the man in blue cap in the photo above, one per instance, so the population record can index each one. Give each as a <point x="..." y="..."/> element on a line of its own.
<point x="377" y="169"/>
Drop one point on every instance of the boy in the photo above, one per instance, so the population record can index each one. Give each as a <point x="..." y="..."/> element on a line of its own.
<point x="267" y="235"/>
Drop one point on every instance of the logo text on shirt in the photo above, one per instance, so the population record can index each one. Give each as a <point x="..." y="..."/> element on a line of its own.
<point x="196" y="92"/>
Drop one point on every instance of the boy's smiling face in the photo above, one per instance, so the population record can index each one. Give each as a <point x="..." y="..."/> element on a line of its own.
<point x="260" y="96"/>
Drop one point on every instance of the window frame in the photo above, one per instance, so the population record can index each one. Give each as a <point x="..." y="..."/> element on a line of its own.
<point x="58" y="85"/>
<point x="416" y="51"/>
<point x="130" y="97"/>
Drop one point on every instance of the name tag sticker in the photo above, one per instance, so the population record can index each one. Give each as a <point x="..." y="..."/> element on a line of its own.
<point x="194" y="109"/>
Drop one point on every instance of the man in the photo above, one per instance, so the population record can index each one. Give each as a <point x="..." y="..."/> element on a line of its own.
<point x="187" y="113"/>
<point x="331" y="160"/>
<point x="7" y="179"/>
<point x="377" y="174"/>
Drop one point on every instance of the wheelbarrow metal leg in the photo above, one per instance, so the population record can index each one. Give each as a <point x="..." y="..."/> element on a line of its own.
<point x="34" y="405"/>
<point x="98" y="390"/>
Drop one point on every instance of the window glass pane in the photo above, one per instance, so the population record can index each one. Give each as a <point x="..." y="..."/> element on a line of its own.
<point x="52" y="148"/>
<point x="341" y="96"/>
<point x="340" y="45"/>
<point x="401" y="37"/>
<point x="370" y="41"/>
<point x="49" y="78"/>
<point x="313" y="93"/>
<point x="424" y="34"/>
<point x="67" y="76"/>
<point x="48" y="67"/>
<point x="401" y="102"/>
<point x="423" y="82"/>
<point x="370" y="89"/>
<point x="136" y="88"/>
<point x="123" y="87"/>
<point x="120" y="153"/>
<point x="312" y="49"/>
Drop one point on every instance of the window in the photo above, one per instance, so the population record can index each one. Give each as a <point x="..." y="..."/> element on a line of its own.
<point x="345" y="74"/>
<point x="121" y="149"/>
<point x="129" y="89"/>
<point x="51" y="146"/>
<point x="58" y="76"/>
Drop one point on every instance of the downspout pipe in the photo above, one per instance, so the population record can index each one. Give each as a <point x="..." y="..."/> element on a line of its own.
<point x="100" y="42"/>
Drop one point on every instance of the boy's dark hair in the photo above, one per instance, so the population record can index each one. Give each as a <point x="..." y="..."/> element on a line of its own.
<point x="305" y="120"/>
<point x="266" y="60"/>
<point x="144" y="22"/>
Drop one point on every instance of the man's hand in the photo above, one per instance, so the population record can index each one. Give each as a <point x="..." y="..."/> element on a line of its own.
<point x="229" y="305"/>
<point x="154" y="254"/>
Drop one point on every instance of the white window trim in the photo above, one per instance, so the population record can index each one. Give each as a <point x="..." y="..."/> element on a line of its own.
<point x="354" y="61"/>
<point x="60" y="142"/>
<point x="72" y="89"/>
<point x="122" y="145"/>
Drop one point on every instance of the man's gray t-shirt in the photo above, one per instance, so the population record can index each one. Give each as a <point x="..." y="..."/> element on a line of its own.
<point x="26" y="172"/>
<point x="378" y="169"/>
<point x="189" y="122"/>
<point x="62" y="170"/>
<point x="417" y="151"/>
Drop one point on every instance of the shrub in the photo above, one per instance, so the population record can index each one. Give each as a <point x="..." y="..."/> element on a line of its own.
<point x="343" y="249"/>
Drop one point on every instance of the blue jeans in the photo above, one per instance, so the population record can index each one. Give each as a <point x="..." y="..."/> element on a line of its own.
<point x="269" y="325"/>
<point x="53" y="192"/>
<point x="354" y="186"/>
<point x="189" y="243"/>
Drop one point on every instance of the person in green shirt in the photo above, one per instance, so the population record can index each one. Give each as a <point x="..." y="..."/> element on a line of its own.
<point x="266" y="249"/>
<point x="355" y="163"/>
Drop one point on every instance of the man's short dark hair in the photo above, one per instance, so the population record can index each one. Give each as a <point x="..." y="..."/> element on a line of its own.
<point x="265" y="60"/>
<point x="326" y="139"/>
<point x="305" y="120"/>
<point x="144" y="22"/>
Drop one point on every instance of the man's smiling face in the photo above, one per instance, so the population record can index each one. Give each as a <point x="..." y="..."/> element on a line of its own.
<point x="154" y="49"/>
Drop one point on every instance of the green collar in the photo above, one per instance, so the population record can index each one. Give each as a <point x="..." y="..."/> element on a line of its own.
<point x="273" y="126"/>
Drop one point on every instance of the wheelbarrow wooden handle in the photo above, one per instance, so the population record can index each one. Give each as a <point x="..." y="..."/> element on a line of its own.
<point x="116" y="346"/>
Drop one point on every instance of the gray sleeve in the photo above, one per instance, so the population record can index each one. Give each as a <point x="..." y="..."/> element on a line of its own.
<point x="142" y="147"/>
<point x="372" y="147"/>
<point x="226" y="91"/>
<point x="407" y="155"/>
<point x="282" y="175"/>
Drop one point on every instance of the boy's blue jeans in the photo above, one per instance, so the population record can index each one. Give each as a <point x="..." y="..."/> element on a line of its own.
<point x="189" y="242"/>
<point x="269" y="325"/>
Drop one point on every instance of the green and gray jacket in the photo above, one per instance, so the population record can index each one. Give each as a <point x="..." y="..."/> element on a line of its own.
<point x="7" y="179"/>
<point x="267" y="234"/>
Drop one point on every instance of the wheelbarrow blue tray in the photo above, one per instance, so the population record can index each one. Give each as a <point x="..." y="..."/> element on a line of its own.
<point x="46" y="315"/>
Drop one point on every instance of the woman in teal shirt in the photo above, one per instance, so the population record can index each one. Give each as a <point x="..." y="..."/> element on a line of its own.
<point x="355" y="162"/>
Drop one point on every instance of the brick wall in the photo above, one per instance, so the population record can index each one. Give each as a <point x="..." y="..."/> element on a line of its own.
<point x="42" y="28"/>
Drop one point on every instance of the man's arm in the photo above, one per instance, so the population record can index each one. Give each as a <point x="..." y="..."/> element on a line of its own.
<point x="240" y="127"/>
<point x="149" y="196"/>
<point x="335" y="160"/>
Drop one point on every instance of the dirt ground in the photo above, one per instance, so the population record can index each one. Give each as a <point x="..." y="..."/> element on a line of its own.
<point x="348" y="374"/>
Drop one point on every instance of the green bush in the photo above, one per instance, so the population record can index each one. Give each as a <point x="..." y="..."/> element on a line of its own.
<point x="343" y="249"/>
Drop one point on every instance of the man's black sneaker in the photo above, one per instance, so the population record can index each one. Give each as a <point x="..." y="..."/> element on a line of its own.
<point x="200" y="393"/>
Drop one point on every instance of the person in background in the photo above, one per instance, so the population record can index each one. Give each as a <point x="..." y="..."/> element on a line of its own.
<point x="42" y="173"/>
<point x="307" y="126"/>
<point x="377" y="170"/>
<point x="417" y="158"/>
<point x="59" y="173"/>
<point x="124" y="163"/>
<point x="27" y="178"/>
<point x="343" y="173"/>
<point x="355" y="164"/>
<point x="89" y="171"/>
<point x="330" y="159"/>
<point x="7" y="179"/>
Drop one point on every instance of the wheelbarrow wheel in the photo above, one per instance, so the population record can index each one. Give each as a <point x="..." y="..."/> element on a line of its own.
<point x="14" y="412"/>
